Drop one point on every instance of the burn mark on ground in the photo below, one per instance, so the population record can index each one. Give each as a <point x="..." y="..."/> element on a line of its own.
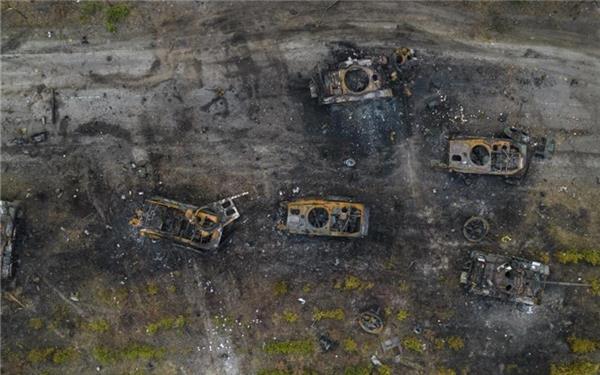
<point x="99" y="128"/>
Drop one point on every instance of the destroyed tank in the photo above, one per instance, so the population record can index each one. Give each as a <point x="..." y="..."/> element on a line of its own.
<point x="197" y="228"/>
<point x="504" y="277"/>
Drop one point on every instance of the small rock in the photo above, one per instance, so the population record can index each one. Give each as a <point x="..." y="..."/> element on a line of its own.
<point x="140" y="156"/>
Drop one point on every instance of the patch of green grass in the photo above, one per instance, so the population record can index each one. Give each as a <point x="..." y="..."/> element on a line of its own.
<point x="575" y="256"/>
<point x="115" y="14"/>
<point x="349" y="345"/>
<point x="273" y="372"/>
<point x="290" y="316"/>
<point x="60" y="317"/>
<point x="286" y="372"/>
<point x="63" y="356"/>
<point x="358" y="370"/>
<point x="151" y="289"/>
<point x="456" y="343"/>
<point x="58" y="356"/>
<point x="36" y="323"/>
<point x="403" y="286"/>
<point x="35" y="356"/>
<point x="134" y="352"/>
<point x="90" y="9"/>
<point x="222" y="321"/>
<point x="113" y="296"/>
<point x="351" y="282"/>
<point x="401" y="315"/>
<point x="575" y="368"/>
<point x="303" y="347"/>
<point x="335" y="314"/>
<point x="439" y="344"/>
<point x="281" y="288"/>
<point x="444" y="371"/>
<point x="595" y="287"/>
<point x="412" y="343"/>
<point x="165" y="324"/>
<point x="97" y="326"/>
<point x="581" y="345"/>
<point x="172" y="289"/>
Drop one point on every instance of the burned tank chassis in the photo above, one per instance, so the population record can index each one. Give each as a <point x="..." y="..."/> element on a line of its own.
<point x="320" y="217"/>
<point x="196" y="228"/>
<point x="351" y="80"/>
<point x="506" y="278"/>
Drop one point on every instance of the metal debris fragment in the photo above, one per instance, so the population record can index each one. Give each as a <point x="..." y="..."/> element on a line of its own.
<point x="370" y="322"/>
<point x="9" y="212"/>
<point x="475" y="228"/>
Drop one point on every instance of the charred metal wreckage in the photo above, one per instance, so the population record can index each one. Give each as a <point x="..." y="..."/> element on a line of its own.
<point x="9" y="211"/>
<point x="504" y="277"/>
<point x="358" y="78"/>
<point x="198" y="228"/>
<point x="508" y="155"/>
<point x="319" y="217"/>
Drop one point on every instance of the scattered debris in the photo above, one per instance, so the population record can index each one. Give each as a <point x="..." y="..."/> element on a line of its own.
<point x="39" y="137"/>
<point x="390" y="344"/>
<point x="319" y="217"/>
<point x="403" y="55"/>
<point x="375" y="361"/>
<point x="505" y="277"/>
<point x="33" y="139"/>
<point x="327" y="344"/>
<point x="349" y="162"/>
<point x="475" y="228"/>
<point x="199" y="228"/>
<point x="9" y="213"/>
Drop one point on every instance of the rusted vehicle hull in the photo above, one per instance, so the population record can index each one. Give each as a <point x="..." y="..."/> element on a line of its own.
<point x="8" y="217"/>
<point x="491" y="156"/>
<point x="351" y="80"/>
<point x="198" y="228"/>
<point x="319" y="217"/>
<point x="503" y="277"/>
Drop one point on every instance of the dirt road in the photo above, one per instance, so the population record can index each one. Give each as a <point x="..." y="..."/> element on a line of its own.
<point x="197" y="101"/>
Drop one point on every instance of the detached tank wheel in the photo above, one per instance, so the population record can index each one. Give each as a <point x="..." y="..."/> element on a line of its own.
<point x="475" y="228"/>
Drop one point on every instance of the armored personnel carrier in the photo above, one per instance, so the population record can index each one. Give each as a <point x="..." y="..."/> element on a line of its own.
<point x="326" y="217"/>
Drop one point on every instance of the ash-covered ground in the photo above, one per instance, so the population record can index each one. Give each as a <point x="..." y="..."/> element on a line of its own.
<point x="199" y="101"/>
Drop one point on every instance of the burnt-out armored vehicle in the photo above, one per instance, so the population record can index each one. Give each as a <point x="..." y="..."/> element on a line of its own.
<point x="197" y="228"/>
<point x="358" y="79"/>
<point x="336" y="217"/>
<point x="504" y="277"/>
<point x="508" y="154"/>
<point x="9" y="212"/>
